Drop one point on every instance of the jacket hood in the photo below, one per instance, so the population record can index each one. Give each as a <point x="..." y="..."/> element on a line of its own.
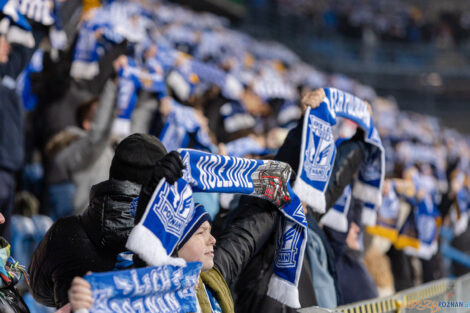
<point x="108" y="220"/>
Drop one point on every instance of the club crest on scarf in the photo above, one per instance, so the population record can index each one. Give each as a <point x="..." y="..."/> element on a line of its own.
<point x="169" y="210"/>
<point x="317" y="156"/>
<point x="173" y="205"/>
<point x="287" y="245"/>
<point x="320" y="150"/>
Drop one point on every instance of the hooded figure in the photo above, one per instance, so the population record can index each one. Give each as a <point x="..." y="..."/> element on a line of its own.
<point x="75" y="245"/>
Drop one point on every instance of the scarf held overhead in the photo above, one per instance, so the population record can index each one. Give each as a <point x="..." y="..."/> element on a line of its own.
<point x="171" y="208"/>
<point x="318" y="152"/>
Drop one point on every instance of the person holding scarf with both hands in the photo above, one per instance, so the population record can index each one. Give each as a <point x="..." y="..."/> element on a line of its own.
<point x="246" y="235"/>
<point x="196" y="244"/>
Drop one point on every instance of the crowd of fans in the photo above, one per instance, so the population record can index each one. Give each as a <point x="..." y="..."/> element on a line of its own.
<point x="80" y="77"/>
<point x="387" y="21"/>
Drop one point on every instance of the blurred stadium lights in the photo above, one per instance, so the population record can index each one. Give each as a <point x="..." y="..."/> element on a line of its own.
<point x="432" y="80"/>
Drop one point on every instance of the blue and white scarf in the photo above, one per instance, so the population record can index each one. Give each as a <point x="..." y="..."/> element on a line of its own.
<point x="428" y="222"/>
<point x="317" y="155"/>
<point x="171" y="208"/>
<point x="151" y="289"/>
<point x="318" y="151"/>
<point x="387" y="216"/>
<point x="236" y="117"/>
<point x="368" y="187"/>
<point x="245" y="146"/>
<point x="337" y="216"/>
<point x="14" y="24"/>
<point x="40" y="11"/>
<point x="180" y="124"/>
<point x="86" y="54"/>
<point x="133" y="78"/>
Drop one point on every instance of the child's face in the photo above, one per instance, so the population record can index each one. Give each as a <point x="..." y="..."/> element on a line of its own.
<point x="200" y="247"/>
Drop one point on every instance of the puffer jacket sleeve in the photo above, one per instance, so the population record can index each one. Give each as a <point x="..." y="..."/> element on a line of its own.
<point x="48" y="268"/>
<point x="244" y="236"/>
<point x="63" y="253"/>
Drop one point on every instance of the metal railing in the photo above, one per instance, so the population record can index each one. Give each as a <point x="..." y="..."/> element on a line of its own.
<point x="445" y="295"/>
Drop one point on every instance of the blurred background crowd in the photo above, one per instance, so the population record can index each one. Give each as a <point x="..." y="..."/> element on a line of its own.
<point x="200" y="80"/>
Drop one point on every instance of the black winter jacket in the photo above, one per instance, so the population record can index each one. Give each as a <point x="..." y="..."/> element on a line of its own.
<point x="75" y="245"/>
<point x="256" y="219"/>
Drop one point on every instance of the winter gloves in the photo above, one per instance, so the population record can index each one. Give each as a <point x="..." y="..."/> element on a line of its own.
<point x="169" y="167"/>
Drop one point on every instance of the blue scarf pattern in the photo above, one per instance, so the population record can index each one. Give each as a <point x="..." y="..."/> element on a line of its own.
<point x="171" y="208"/>
<point x="151" y="289"/>
<point x="368" y="187"/>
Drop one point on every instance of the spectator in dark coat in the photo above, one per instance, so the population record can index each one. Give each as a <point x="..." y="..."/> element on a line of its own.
<point x="13" y="60"/>
<point x="92" y="241"/>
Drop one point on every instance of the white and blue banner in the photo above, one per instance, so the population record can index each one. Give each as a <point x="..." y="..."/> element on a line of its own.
<point x="150" y="289"/>
<point x="171" y="208"/>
